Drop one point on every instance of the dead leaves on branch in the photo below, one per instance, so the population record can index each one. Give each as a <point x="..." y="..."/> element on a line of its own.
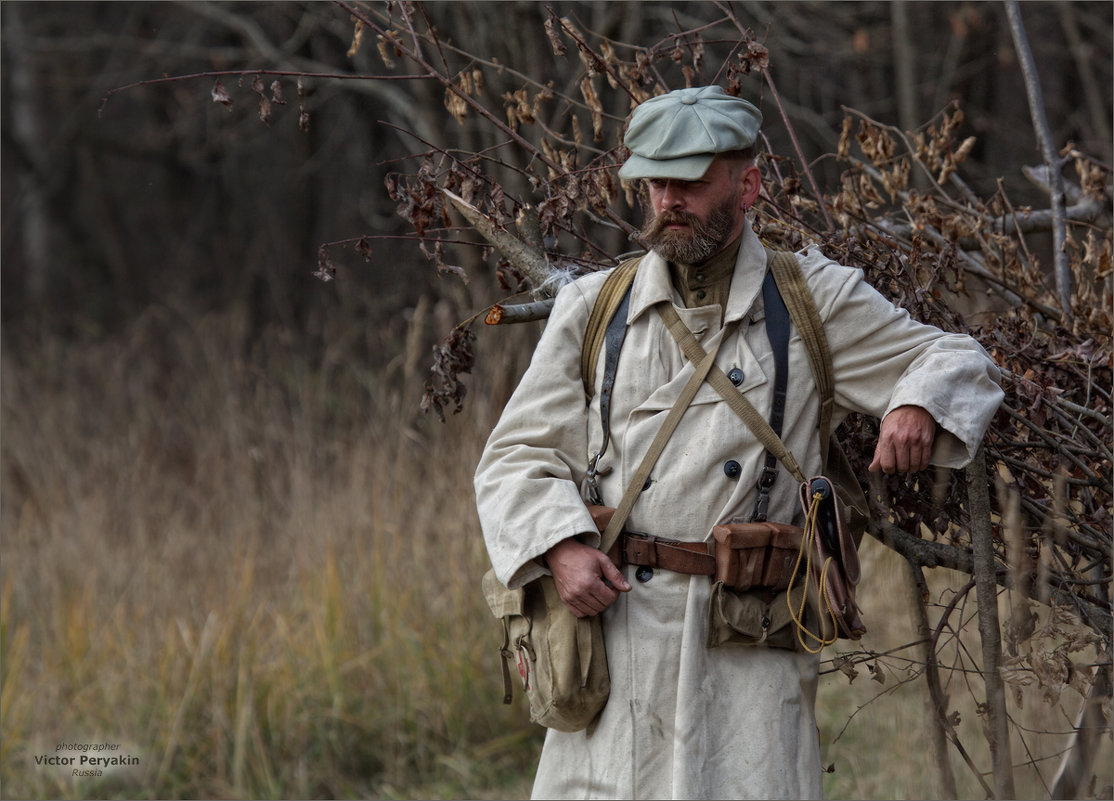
<point x="269" y="96"/>
<point x="452" y="357"/>
<point x="1043" y="658"/>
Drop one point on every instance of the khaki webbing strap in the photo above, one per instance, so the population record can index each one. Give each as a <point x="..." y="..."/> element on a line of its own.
<point x="722" y="384"/>
<point x="611" y="294"/>
<point x="703" y="366"/>
<point x="806" y="317"/>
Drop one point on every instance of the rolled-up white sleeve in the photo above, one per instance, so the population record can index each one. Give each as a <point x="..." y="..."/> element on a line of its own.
<point x="883" y="359"/>
<point x="528" y="480"/>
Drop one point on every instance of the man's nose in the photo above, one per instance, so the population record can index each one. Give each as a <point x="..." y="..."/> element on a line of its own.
<point x="672" y="197"/>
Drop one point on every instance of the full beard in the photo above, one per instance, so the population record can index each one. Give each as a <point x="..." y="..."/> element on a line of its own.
<point x="703" y="239"/>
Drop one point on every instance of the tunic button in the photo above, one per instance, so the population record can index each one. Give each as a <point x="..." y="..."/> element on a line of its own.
<point x="700" y="295"/>
<point x="646" y="486"/>
<point x="735" y="376"/>
<point x="644" y="573"/>
<point x="732" y="469"/>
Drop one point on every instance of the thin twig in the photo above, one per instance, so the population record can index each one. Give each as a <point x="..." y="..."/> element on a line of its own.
<point x="938" y="703"/>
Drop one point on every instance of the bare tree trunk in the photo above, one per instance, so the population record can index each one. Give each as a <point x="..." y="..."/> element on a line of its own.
<point x="986" y="590"/>
<point x="28" y="132"/>
<point x="1061" y="267"/>
<point x="1091" y="87"/>
<point x="903" y="67"/>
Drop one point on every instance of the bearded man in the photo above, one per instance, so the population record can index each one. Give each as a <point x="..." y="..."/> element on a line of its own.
<point x="686" y="720"/>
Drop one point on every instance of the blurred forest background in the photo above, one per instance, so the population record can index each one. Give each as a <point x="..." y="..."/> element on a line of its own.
<point x="232" y="542"/>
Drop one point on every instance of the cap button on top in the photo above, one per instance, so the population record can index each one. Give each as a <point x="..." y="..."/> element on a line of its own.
<point x="689" y="100"/>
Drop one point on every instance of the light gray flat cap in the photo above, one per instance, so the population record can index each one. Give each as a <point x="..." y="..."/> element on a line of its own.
<point x="676" y="135"/>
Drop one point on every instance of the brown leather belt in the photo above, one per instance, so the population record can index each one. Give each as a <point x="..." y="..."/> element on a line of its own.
<point x="693" y="558"/>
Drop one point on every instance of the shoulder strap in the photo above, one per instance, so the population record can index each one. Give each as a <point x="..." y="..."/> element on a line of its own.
<point x="806" y="317"/>
<point x="777" y="331"/>
<point x="615" y="288"/>
<point x="607" y="328"/>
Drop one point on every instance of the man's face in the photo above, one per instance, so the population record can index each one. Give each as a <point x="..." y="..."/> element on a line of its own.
<point x="694" y="220"/>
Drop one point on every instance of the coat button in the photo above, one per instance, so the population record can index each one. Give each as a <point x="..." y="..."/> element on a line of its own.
<point x="732" y="469"/>
<point x="644" y="573"/>
<point x="735" y="376"/>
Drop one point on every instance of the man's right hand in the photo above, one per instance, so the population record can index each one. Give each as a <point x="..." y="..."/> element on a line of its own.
<point x="587" y="581"/>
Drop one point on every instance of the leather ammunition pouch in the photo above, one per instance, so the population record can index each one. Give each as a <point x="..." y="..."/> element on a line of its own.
<point x="756" y="555"/>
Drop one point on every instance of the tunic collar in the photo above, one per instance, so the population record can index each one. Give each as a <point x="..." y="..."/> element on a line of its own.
<point x="652" y="283"/>
<point x="710" y="278"/>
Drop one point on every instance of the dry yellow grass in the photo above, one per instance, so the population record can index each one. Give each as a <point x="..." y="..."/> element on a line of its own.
<point x="259" y="576"/>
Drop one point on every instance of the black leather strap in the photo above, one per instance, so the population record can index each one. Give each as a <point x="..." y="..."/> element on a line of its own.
<point x="777" y="329"/>
<point x="613" y="343"/>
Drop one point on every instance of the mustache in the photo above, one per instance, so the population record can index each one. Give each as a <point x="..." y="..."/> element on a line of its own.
<point x="658" y="223"/>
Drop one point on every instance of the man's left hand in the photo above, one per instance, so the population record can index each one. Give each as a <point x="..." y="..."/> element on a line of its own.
<point x="904" y="441"/>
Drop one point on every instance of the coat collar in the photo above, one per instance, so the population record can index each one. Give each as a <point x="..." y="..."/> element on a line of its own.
<point x="652" y="283"/>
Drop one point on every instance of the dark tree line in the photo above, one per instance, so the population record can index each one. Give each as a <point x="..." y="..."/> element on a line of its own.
<point x="166" y="196"/>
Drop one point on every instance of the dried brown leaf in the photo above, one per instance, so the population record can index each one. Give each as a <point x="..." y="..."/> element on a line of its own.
<point x="385" y="52"/>
<point x="220" y="95"/>
<point x="357" y="39"/>
<point x="555" y="42"/>
<point x="847" y="666"/>
<point x="325" y="269"/>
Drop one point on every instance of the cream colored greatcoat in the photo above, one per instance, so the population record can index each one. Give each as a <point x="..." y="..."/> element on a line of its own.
<point x="685" y="721"/>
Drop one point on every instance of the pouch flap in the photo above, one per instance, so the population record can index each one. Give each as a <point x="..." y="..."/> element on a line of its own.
<point x="502" y="601"/>
<point x="785" y="535"/>
<point x="743" y="535"/>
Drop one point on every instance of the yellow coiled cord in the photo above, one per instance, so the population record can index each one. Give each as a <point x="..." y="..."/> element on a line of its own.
<point x="808" y="540"/>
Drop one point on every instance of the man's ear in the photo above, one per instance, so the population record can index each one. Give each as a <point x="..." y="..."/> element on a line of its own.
<point x="750" y="184"/>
